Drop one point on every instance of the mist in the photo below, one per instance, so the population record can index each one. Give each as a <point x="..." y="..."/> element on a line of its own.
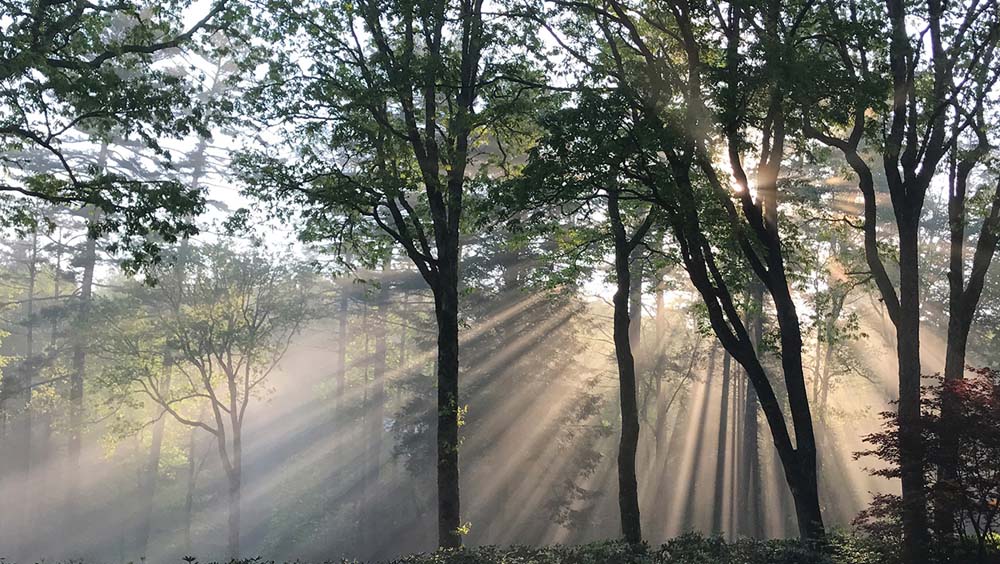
<point x="337" y="443"/>
<point x="460" y="281"/>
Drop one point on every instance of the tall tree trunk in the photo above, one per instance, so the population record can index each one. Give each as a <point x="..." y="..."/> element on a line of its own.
<point x="152" y="473"/>
<point x="735" y="453"/>
<point x="908" y="351"/>
<point x="817" y="366"/>
<point x="448" y="407"/>
<point x="628" y="491"/>
<point x="234" y="491"/>
<point x="340" y="376"/>
<point x="694" y="481"/>
<point x="635" y="300"/>
<point x="963" y="301"/>
<point x="375" y="414"/>
<point x="720" y="457"/>
<point x="189" y="492"/>
<point x="751" y="514"/>
<point x="77" y="374"/>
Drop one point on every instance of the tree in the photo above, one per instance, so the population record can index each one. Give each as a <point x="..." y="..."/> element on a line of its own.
<point x="73" y="69"/>
<point x="937" y="81"/>
<point x="384" y="127"/>
<point x="720" y="457"/>
<point x="227" y="320"/>
<point x="972" y="492"/>
<point x="575" y="169"/>
<point x="663" y="71"/>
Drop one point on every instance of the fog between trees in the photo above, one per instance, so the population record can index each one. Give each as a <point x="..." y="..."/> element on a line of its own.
<point x="316" y="280"/>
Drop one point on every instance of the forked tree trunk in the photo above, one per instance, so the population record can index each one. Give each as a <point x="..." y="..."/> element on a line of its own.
<point x="963" y="301"/>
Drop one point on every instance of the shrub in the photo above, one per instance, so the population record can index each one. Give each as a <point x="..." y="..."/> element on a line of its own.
<point x="686" y="549"/>
<point x="974" y="493"/>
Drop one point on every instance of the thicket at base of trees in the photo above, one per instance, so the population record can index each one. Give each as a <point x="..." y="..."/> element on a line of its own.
<point x="690" y="548"/>
<point x="973" y="492"/>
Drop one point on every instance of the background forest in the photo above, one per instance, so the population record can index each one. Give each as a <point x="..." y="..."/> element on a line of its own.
<point x="312" y="280"/>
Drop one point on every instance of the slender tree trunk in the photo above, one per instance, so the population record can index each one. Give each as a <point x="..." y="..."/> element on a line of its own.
<point x="189" y="493"/>
<point x="817" y="367"/>
<point x="20" y="431"/>
<point x="153" y="467"/>
<point x="908" y="351"/>
<point x="824" y="390"/>
<point x="963" y="301"/>
<point x="446" y="312"/>
<point x="694" y="482"/>
<point x="77" y="374"/>
<point x="635" y="300"/>
<point x="750" y="458"/>
<point x="628" y="494"/>
<point x="234" y="491"/>
<point x="735" y="453"/>
<point x="720" y="457"/>
<point x="375" y="414"/>
<point x="340" y="377"/>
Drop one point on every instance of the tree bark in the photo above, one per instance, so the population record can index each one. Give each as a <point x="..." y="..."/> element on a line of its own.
<point x="635" y="300"/>
<point x="153" y="468"/>
<point x="340" y="376"/>
<point x="77" y="374"/>
<point x="628" y="494"/>
<point x="189" y="492"/>
<point x="235" y="493"/>
<point x="446" y="312"/>
<point x="963" y="301"/>
<point x="914" y="517"/>
<point x="751" y="502"/>
<point x="720" y="456"/>
<point x="375" y="414"/>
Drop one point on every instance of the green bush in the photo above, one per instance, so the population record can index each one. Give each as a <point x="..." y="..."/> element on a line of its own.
<point x="686" y="549"/>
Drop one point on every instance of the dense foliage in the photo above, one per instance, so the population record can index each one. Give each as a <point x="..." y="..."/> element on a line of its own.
<point x="499" y="273"/>
<point x="974" y="491"/>
<point x="686" y="549"/>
